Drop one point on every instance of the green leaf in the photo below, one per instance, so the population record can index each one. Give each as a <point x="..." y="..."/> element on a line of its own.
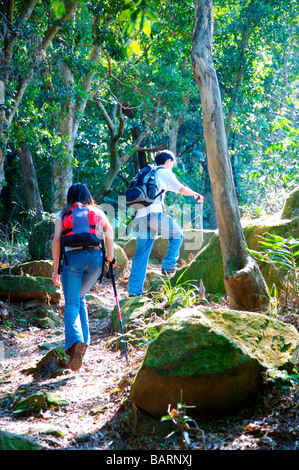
<point x="146" y="27"/>
<point x="136" y="48"/>
<point x="124" y="15"/>
<point x="58" y="7"/>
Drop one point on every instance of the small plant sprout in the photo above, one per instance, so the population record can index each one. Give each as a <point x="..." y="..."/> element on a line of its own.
<point x="179" y="417"/>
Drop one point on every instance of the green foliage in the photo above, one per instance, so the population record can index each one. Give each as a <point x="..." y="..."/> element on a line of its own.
<point x="283" y="254"/>
<point x="183" y="291"/>
<point x="282" y="377"/>
<point x="13" y="243"/>
<point x="145" y="64"/>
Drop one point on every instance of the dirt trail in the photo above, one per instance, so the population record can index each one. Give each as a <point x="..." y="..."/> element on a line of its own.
<point x="102" y="382"/>
<point x="99" y="415"/>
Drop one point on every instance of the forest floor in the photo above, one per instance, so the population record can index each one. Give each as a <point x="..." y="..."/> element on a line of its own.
<point x="99" y="415"/>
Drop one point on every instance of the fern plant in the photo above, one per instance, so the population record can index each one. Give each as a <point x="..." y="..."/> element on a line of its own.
<point x="182" y="290"/>
<point x="283" y="254"/>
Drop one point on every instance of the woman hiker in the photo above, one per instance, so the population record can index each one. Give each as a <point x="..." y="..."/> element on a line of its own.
<point x="82" y="265"/>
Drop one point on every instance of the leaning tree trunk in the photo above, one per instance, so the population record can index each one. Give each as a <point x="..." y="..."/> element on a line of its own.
<point x="243" y="280"/>
<point x="34" y="202"/>
<point x="69" y="125"/>
<point x="9" y="105"/>
<point x="63" y="164"/>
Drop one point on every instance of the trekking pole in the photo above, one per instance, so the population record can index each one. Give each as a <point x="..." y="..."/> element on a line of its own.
<point x="118" y="311"/>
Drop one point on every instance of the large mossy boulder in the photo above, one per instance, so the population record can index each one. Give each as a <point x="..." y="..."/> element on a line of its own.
<point x="291" y="207"/>
<point x="193" y="242"/>
<point x="40" y="241"/>
<point x="121" y="259"/>
<point x="213" y="360"/>
<point x="208" y="266"/>
<point x="40" y="268"/>
<point x="24" y="288"/>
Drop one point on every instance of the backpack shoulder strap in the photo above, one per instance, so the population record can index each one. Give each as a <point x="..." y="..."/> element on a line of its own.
<point x="162" y="190"/>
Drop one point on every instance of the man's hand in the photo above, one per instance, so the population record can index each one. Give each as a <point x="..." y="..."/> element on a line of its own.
<point x="199" y="198"/>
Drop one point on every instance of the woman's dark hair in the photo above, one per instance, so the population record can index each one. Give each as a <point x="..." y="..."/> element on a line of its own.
<point x="163" y="156"/>
<point x="78" y="192"/>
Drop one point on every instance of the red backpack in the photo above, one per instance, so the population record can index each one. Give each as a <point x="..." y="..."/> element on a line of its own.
<point x="81" y="228"/>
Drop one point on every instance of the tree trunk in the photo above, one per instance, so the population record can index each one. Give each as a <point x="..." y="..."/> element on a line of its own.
<point x="62" y="164"/>
<point x="243" y="280"/>
<point x="174" y="131"/>
<point x="71" y="111"/>
<point x="8" y="105"/>
<point x="34" y="201"/>
<point x="116" y="132"/>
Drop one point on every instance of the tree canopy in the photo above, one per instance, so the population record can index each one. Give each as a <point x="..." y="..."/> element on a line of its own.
<point x="91" y="89"/>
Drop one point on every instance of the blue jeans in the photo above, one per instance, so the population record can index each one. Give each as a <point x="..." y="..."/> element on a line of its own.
<point x="81" y="269"/>
<point x="146" y="229"/>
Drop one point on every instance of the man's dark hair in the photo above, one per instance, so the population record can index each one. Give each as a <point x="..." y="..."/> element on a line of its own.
<point x="163" y="156"/>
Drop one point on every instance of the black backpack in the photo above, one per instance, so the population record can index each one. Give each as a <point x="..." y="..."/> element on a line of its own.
<point x="142" y="190"/>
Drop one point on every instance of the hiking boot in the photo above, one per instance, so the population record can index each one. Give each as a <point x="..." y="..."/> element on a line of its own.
<point x="169" y="272"/>
<point x="77" y="352"/>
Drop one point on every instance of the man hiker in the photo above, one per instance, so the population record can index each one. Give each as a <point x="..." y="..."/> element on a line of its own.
<point x="152" y="220"/>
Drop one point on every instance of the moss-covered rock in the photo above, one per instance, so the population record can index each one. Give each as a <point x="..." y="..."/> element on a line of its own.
<point x="41" y="268"/>
<point x="121" y="259"/>
<point x="193" y="242"/>
<point x="55" y="400"/>
<point x="130" y="247"/>
<point x="35" y="403"/>
<point x="134" y="309"/>
<point x="51" y="364"/>
<point x="291" y="207"/>
<point x="30" y="405"/>
<point x="12" y="441"/>
<point x="23" y="288"/>
<point x="208" y="266"/>
<point x="214" y="358"/>
<point x="40" y="241"/>
<point x="44" y="317"/>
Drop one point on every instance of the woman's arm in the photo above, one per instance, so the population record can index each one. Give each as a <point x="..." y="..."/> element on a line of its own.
<point x="109" y="237"/>
<point x="56" y="246"/>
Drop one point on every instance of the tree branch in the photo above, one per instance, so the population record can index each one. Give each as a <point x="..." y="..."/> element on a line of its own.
<point x="141" y="137"/>
<point x="105" y="116"/>
<point x="50" y="34"/>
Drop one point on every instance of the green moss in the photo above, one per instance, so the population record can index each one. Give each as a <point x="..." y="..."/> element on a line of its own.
<point x="291" y="207"/>
<point x="208" y="264"/>
<point x="28" y="287"/>
<point x="204" y="341"/>
<point x="11" y="441"/>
